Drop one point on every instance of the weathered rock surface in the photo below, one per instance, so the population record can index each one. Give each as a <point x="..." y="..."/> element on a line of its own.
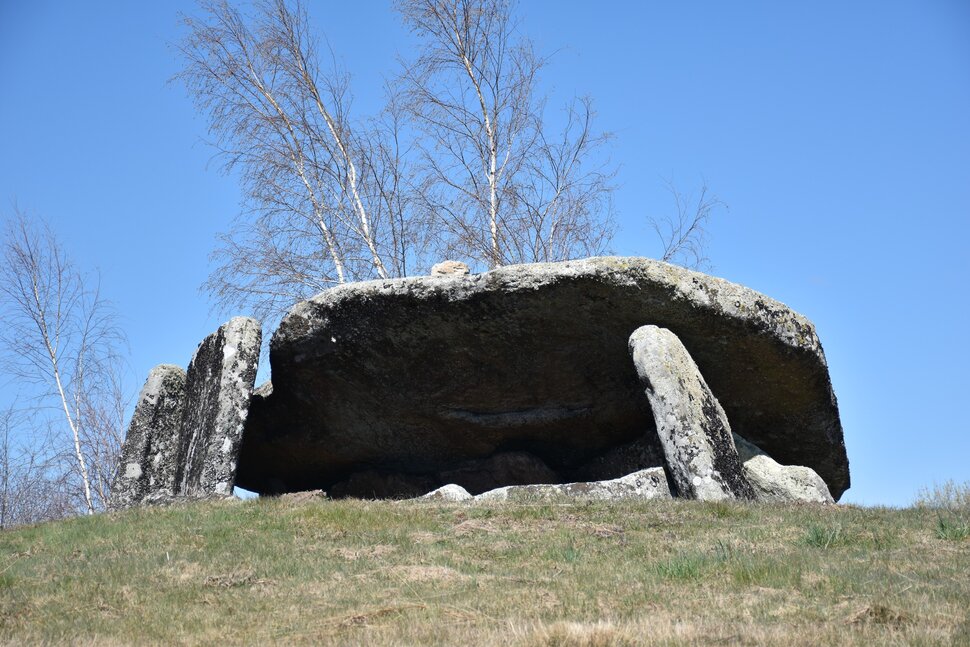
<point x="505" y="468"/>
<point x="218" y="387"/>
<point x="421" y="375"/>
<point x="450" y="492"/>
<point x="693" y="429"/>
<point x="645" y="484"/>
<point x="148" y="455"/>
<point x="774" y="482"/>
<point x="449" y="267"/>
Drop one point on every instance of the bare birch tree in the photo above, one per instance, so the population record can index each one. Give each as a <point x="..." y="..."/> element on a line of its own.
<point x="32" y="485"/>
<point x="460" y="161"/>
<point x="7" y="477"/>
<point x="61" y="339"/>
<point x="103" y="425"/>
<point x="683" y="236"/>
<point x="503" y="188"/>
<point x="324" y="193"/>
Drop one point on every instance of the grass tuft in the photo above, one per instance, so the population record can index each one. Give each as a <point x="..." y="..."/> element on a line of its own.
<point x="951" y="501"/>
<point x="748" y="568"/>
<point x="952" y="529"/>
<point x="682" y="567"/>
<point x="825" y="536"/>
<point x="728" y="509"/>
<point x="948" y="495"/>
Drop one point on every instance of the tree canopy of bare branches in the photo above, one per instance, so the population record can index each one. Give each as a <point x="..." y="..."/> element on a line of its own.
<point x="460" y="162"/>
<point x="501" y="186"/>
<point x="324" y="195"/>
<point x="683" y="236"/>
<point x="33" y="487"/>
<point x="61" y="343"/>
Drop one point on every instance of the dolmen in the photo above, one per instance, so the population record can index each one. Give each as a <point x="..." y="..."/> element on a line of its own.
<point x="602" y="378"/>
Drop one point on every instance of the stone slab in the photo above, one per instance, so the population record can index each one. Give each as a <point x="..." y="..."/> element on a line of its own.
<point x="147" y="465"/>
<point x="694" y="431"/>
<point x="219" y="385"/>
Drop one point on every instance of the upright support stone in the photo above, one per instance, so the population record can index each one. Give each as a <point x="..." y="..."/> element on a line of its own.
<point x="219" y="384"/>
<point x="147" y="465"/>
<point x="693" y="429"/>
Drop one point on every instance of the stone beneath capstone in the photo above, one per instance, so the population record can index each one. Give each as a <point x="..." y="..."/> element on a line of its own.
<point x="504" y="468"/>
<point x="218" y="386"/>
<point x="445" y="268"/>
<point x="147" y="464"/>
<point x="377" y="484"/>
<point x="643" y="453"/>
<point x="450" y="492"/>
<point x="784" y="483"/>
<point x="644" y="485"/>
<point x="692" y="427"/>
<point x="303" y="497"/>
<point x="422" y="374"/>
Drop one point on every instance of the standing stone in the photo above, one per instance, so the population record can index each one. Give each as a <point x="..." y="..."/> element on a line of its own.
<point x="146" y="467"/>
<point x="693" y="429"/>
<point x="775" y="482"/>
<point x="218" y="387"/>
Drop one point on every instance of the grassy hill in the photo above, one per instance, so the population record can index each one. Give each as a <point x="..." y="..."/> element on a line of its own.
<point x="352" y="572"/>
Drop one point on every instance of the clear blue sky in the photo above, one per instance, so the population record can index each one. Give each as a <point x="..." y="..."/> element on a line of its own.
<point x="838" y="133"/>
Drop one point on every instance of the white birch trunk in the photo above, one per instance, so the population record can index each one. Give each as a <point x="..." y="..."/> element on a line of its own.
<point x="492" y="154"/>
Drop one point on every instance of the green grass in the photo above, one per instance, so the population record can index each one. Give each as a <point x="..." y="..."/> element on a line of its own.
<point x="682" y="567"/>
<point x="951" y="501"/>
<point x="826" y="537"/>
<point x="402" y="573"/>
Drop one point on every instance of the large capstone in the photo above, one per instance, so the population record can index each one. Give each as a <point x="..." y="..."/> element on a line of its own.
<point x="693" y="429"/>
<point x="147" y="464"/>
<point x="422" y="376"/>
<point x="219" y="385"/>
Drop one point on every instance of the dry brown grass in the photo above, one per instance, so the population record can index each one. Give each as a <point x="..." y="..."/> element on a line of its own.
<point x="353" y="572"/>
